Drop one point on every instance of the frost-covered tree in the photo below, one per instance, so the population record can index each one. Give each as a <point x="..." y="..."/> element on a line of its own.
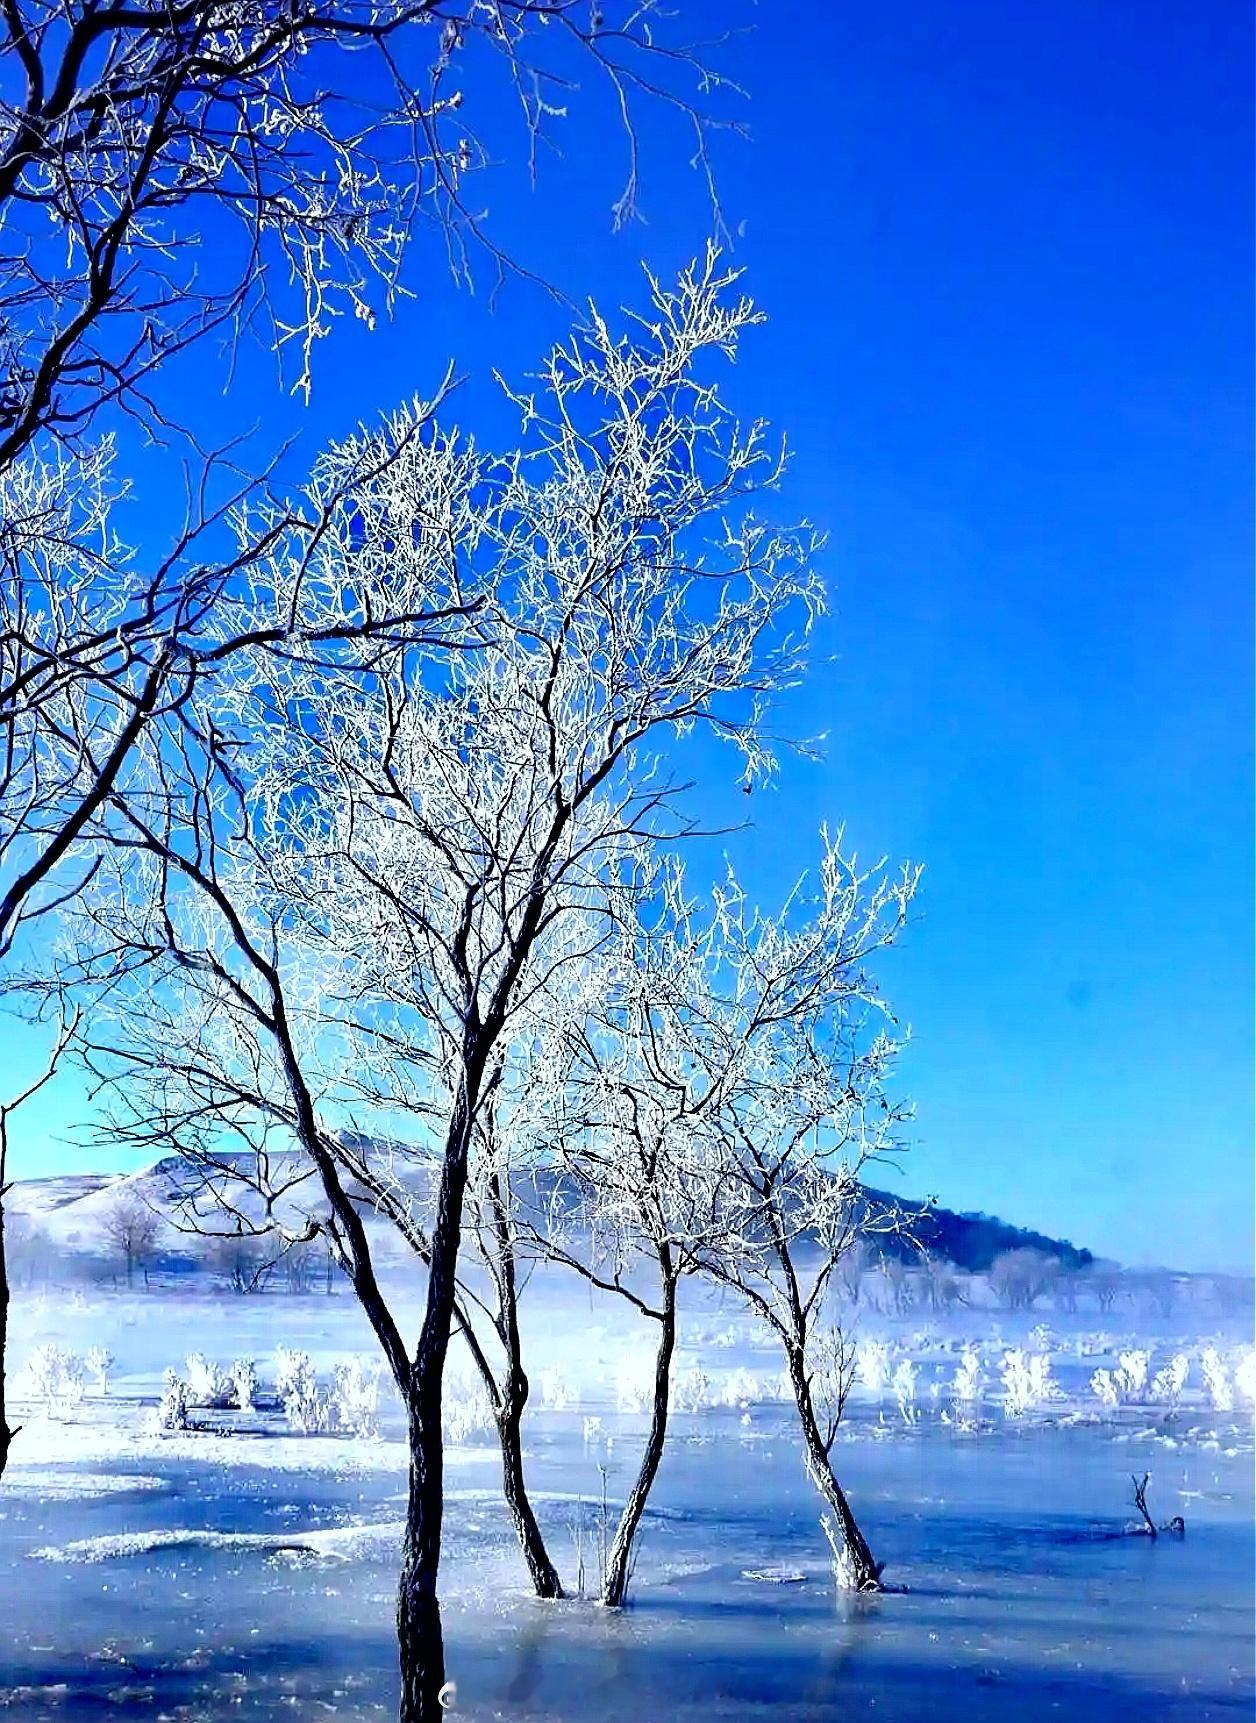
<point x="793" y="1025"/>
<point x="341" y="897"/>
<point x="941" y="1283"/>
<point x="244" y="1260"/>
<point x="131" y="1230"/>
<point x="633" y="1201"/>
<point x="180" y="175"/>
<point x="1019" y="1278"/>
<point x="1107" y="1284"/>
<point x="172" y="174"/>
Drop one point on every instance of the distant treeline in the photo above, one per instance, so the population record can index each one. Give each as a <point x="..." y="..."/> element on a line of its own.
<point x="970" y="1241"/>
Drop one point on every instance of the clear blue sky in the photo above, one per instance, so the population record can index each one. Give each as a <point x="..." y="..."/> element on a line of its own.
<point x="1006" y="252"/>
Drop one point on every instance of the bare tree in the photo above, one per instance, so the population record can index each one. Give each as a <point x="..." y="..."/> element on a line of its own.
<point x="300" y="1261"/>
<point x="1107" y="1282"/>
<point x="892" y="1272"/>
<point x="1161" y="1287"/>
<point x="633" y="1200"/>
<point x="132" y="1228"/>
<point x="243" y="1259"/>
<point x="306" y="143"/>
<point x="362" y="904"/>
<point x="790" y="1017"/>
<point x="28" y="1250"/>
<point x="1019" y="1278"/>
<point x="128" y="134"/>
<point x="942" y="1287"/>
<point x="172" y="175"/>
<point x="1233" y="1294"/>
<point x="1065" y="1291"/>
<point x="853" y="1270"/>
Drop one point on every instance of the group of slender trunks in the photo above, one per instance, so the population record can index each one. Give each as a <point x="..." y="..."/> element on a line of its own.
<point x="420" y="1639"/>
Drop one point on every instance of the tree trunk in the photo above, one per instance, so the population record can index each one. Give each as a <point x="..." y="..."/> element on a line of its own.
<point x="619" y="1560"/>
<point x="6" y="1434"/>
<point x="419" y="1638"/>
<point x="861" y="1573"/>
<point x="512" y="1400"/>
<point x="545" y="1581"/>
<point x="420" y="1641"/>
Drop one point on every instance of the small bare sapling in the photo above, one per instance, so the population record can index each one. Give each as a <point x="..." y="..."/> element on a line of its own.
<point x="100" y="1362"/>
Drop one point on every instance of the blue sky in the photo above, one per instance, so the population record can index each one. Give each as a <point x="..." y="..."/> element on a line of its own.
<point x="1006" y="256"/>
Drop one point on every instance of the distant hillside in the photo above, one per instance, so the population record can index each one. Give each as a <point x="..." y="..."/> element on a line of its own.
<point x="970" y="1241"/>
<point x="72" y="1210"/>
<point x="41" y="1196"/>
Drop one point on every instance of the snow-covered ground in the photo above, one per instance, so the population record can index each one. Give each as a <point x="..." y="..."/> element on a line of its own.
<point x="242" y="1568"/>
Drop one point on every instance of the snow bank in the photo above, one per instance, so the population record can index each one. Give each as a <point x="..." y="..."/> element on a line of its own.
<point x="51" y="1485"/>
<point x="338" y="1543"/>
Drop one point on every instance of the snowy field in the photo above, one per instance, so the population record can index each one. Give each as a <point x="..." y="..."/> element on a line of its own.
<point x="244" y="1567"/>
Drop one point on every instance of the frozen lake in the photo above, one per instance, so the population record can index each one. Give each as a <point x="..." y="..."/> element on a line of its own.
<point x="1013" y="1605"/>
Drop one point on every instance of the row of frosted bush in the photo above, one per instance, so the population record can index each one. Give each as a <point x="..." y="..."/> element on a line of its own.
<point x="349" y="1400"/>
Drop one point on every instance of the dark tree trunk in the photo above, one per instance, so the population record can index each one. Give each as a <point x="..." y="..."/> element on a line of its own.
<point x="545" y="1581"/>
<point x="419" y="1638"/>
<point x="863" y="1573"/>
<point x="6" y="1434"/>
<point x="512" y="1400"/>
<point x="619" y="1559"/>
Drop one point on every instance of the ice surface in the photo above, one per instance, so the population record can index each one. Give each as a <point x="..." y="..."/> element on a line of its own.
<point x="241" y="1570"/>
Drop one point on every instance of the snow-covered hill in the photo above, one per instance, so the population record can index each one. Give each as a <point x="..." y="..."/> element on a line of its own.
<point x="74" y="1210"/>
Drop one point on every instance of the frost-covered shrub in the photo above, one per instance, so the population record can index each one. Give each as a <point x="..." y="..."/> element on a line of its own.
<point x="1245" y="1376"/>
<point x="634" y="1382"/>
<point x="691" y="1390"/>
<point x="355" y="1397"/>
<point x="966" y="1384"/>
<point x="244" y="1384"/>
<point x="903" y="1382"/>
<point x="305" y="1405"/>
<point x="1042" y="1382"/>
<point x="724" y="1338"/>
<point x="207" y="1384"/>
<point x="465" y="1410"/>
<point x="1217" y="1381"/>
<point x="100" y="1362"/>
<point x="289" y="1366"/>
<point x="1131" y="1374"/>
<point x="1104" y="1386"/>
<point x="55" y="1376"/>
<point x="872" y="1365"/>
<point x="1027" y="1381"/>
<point x="556" y="1393"/>
<point x="1125" y="1384"/>
<point x="741" y="1389"/>
<point x="172" y="1408"/>
<point x="1168" y="1382"/>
